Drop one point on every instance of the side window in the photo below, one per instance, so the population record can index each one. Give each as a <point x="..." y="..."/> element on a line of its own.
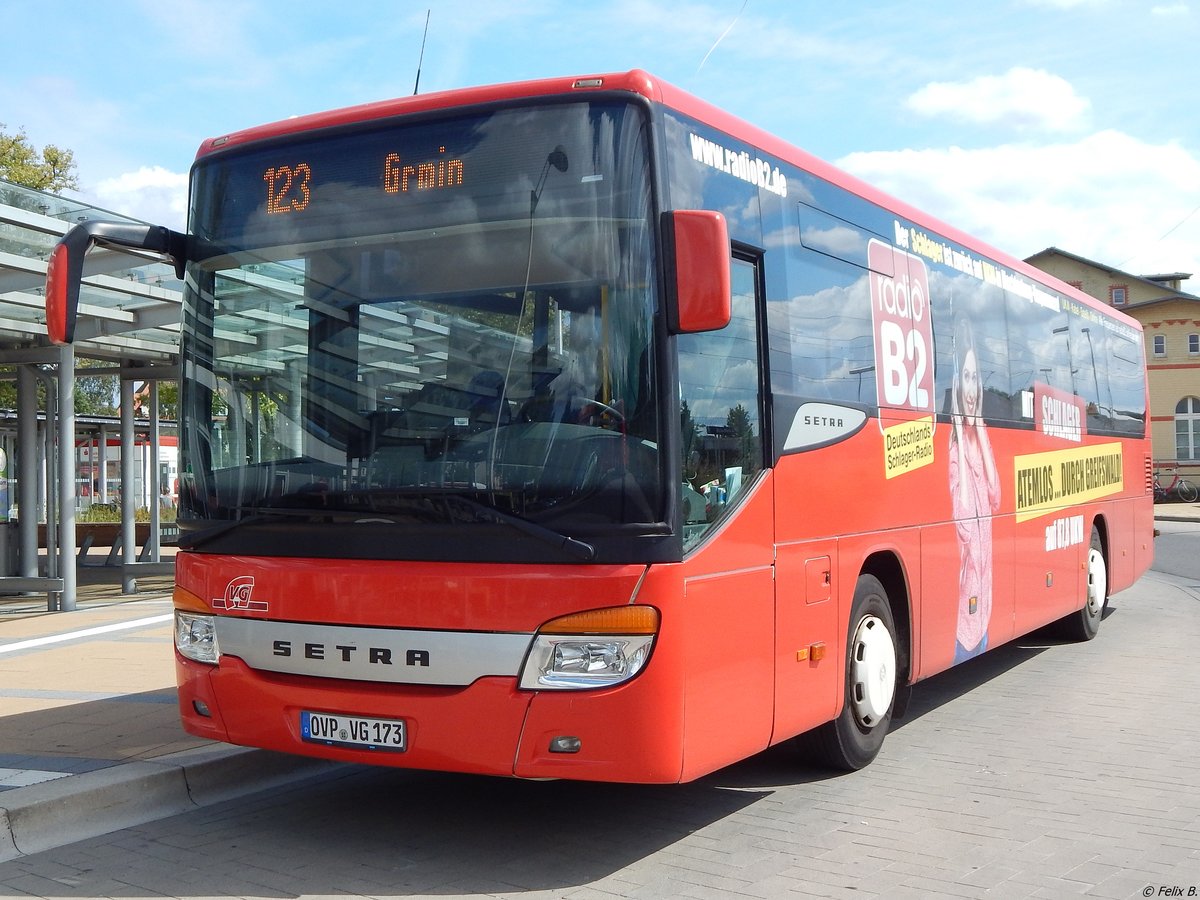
<point x="1091" y="379"/>
<point x="720" y="409"/>
<point x="1187" y="428"/>
<point x="984" y="307"/>
<point x="1123" y="357"/>
<point x="1160" y="345"/>
<point x="821" y="344"/>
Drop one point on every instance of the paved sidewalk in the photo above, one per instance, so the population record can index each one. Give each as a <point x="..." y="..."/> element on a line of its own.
<point x="90" y="739"/>
<point x="1177" y="512"/>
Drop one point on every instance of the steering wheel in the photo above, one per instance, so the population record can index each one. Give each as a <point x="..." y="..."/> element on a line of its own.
<point x="601" y="409"/>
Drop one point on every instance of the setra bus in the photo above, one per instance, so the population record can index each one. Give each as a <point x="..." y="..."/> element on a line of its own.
<point x="576" y="429"/>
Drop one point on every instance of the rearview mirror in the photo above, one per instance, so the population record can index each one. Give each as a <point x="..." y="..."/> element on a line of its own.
<point x="64" y="271"/>
<point x="698" y="271"/>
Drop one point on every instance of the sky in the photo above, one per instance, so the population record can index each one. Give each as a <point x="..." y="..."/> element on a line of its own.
<point x="1028" y="123"/>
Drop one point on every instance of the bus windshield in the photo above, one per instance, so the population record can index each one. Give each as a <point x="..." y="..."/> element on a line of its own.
<point x="443" y="327"/>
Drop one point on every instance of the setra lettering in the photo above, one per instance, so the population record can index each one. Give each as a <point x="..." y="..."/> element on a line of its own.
<point x="825" y="421"/>
<point x="376" y="656"/>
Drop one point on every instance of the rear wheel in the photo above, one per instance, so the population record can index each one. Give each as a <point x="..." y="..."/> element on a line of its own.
<point x="1084" y="624"/>
<point x="854" y="738"/>
<point x="1187" y="491"/>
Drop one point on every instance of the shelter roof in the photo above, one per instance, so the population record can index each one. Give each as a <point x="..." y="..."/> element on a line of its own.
<point x="129" y="304"/>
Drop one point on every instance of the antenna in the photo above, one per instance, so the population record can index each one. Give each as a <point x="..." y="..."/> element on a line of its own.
<point x="421" y="58"/>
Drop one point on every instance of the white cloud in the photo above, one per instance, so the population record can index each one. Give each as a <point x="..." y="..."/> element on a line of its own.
<point x="848" y="243"/>
<point x="1021" y="98"/>
<point x="152" y="194"/>
<point x="1170" y="10"/>
<point x="1109" y="197"/>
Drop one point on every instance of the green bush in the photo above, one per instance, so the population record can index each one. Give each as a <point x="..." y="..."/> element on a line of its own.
<point x="101" y="513"/>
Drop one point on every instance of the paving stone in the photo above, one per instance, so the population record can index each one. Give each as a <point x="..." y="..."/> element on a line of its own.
<point x="1040" y="770"/>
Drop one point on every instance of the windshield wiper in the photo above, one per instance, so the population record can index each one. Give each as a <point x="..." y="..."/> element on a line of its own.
<point x="270" y="514"/>
<point x="188" y="541"/>
<point x="580" y="550"/>
<point x="573" y="547"/>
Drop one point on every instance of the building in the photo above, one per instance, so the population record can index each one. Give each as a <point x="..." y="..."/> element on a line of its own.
<point x="1171" y="319"/>
<point x="129" y="319"/>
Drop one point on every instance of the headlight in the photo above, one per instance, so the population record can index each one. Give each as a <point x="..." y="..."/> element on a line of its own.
<point x="595" y="649"/>
<point x="196" y="637"/>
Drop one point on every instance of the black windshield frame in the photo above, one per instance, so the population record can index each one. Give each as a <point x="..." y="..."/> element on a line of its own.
<point x="215" y="494"/>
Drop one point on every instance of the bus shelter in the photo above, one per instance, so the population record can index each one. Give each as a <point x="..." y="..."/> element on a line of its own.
<point x="129" y="314"/>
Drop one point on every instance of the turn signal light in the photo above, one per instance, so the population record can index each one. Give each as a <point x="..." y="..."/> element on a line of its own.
<point x="613" y="620"/>
<point x="813" y="653"/>
<point x="189" y="601"/>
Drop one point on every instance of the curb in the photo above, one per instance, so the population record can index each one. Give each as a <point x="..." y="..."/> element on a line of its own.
<point x="59" y="812"/>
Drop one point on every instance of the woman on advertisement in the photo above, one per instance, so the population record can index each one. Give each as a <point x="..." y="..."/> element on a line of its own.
<point x="974" y="495"/>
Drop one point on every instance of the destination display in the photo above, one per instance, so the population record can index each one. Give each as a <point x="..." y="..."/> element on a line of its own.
<point x="290" y="187"/>
<point x="398" y="176"/>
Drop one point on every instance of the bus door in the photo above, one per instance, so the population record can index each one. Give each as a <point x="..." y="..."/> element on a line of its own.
<point x="728" y="534"/>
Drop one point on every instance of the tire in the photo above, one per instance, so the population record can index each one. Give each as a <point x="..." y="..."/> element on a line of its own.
<point x="1186" y="491"/>
<point x="853" y="739"/>
<point x="1084" y="624"/>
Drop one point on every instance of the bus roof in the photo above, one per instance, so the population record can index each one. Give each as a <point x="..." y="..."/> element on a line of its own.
<point x="635" y="81"/>
<point x="643" y="83"/>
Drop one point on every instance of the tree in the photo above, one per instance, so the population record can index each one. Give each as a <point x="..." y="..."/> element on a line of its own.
<point x="49" y="169"/>
<point x="690" y="442"/>
<point x="95" y="395"/>
<point x="168" y="400"/>
<point x="742" y="427"/>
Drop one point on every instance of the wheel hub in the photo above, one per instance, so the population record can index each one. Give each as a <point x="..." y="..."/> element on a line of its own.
<point x="1097" y="586"/>
<point x="872" y="671"/>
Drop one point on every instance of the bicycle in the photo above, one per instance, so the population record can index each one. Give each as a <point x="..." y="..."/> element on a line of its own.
<point x="1179" y="487"/>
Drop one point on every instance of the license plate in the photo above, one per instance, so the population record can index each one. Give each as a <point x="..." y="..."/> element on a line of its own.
<point x="354" y="731"/>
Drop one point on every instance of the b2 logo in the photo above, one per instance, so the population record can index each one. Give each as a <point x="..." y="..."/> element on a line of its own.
<point x="902" y="327"/>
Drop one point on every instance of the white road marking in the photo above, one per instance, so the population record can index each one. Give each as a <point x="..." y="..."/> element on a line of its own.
<point x="86" y="632"/>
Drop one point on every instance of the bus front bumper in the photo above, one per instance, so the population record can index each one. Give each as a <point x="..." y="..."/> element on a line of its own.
<point x="487" y="728"/>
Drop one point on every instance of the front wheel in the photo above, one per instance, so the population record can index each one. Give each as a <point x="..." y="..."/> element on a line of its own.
<point x="854" y="738"/>
<point x="1187" y="491"/>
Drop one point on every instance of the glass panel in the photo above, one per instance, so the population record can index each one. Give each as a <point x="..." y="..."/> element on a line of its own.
<point x="822" y="344"/>
<point x="722" y="431"/>
<point x="1126" y="380"/>
<point x="367" y="334"/>
<point x="977" y="312"/>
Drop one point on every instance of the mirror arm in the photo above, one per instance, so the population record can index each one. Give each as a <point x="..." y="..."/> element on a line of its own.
<point x="64" y="272"/>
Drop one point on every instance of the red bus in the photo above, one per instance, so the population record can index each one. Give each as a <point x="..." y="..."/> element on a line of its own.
<point x="576" y="429"/>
